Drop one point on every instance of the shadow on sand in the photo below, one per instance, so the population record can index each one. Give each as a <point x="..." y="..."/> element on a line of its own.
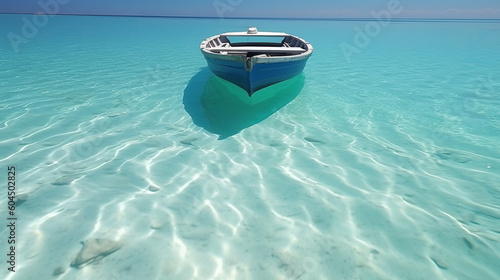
<point x="225" y="109"/>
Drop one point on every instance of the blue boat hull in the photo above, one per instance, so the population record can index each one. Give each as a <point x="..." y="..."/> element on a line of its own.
<point x="260" y="76"/>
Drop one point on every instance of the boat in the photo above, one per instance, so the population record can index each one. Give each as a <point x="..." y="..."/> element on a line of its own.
<point x="254" y="60"/>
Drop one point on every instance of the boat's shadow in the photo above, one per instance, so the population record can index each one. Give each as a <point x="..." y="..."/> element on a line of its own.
<point x="225" y="109"/>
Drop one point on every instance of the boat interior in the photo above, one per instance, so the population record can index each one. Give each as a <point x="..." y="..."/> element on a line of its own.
<point x="289" y="45"/>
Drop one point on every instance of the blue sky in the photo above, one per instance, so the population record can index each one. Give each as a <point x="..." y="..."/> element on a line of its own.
<point x="262" y="8"/>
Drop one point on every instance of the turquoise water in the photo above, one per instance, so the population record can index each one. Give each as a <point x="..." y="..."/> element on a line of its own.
<point x="381" y="162"/>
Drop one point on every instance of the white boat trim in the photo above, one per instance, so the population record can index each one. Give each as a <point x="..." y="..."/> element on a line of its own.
<point x="258" y="34"/>
<point x="274" y="60"/>
<point x="293" y="48"/>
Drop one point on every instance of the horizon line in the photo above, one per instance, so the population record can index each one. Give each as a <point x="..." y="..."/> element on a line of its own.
<point x="268" y="18"/>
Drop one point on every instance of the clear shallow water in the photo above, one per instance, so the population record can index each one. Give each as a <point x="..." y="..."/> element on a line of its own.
<point x="380" y="165"/>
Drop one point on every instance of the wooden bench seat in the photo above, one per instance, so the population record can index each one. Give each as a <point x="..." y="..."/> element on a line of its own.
<point x="290" y="50"/>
